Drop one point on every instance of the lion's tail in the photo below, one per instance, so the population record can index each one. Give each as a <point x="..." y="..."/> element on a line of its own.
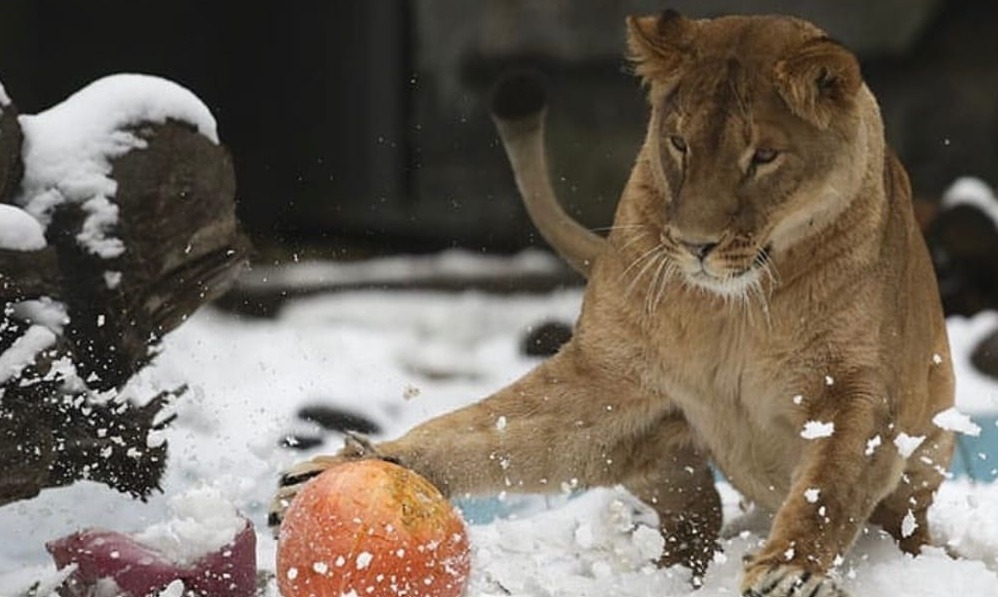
<point x="518" y="108"/>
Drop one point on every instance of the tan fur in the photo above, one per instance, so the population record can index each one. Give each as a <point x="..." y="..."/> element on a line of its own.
<point x="815" y="302"/>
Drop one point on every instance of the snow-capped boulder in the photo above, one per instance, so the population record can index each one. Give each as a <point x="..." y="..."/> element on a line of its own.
<point x="117" y="207"/>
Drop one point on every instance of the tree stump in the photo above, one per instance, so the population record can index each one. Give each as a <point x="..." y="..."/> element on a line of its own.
<point x="139" y="225"/>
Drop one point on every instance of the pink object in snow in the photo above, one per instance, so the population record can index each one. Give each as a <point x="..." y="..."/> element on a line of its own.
<point x="103" y="557"/>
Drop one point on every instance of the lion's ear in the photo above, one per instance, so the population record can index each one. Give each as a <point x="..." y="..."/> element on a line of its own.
<point x="659" y="45"/>
<point x="818" y="80"/>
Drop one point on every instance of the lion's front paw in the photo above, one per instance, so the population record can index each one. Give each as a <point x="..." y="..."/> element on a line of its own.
<point x="292" y="480"/>
<point x="786" y="580"/>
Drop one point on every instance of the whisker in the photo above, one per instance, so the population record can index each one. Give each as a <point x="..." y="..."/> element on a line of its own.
<point x="668" y="274"/>
<point x="618" y="227"/>
<point x="652" y="291"/>
<point x="757" y="289"/>
<point x="635" y="239"/>
<point x="649" y="253"/>
<point x="658" y="251"/>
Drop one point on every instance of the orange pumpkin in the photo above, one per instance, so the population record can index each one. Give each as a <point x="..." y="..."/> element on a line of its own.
<point x="371" y="528"/>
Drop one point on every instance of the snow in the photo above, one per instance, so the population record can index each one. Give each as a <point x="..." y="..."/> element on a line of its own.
<point x="972" y="191"/>
<point x="952" y="419"/>
<point x="19" y="231"/>
<point x="357" y="351"/>
<point x="364" y="560"/>
<point x="907" y="444"/>
<point x="817" y="430"/>
<point x="872" y="444"/>
<point x="22" y="352"/>
<point x="908" y="524"/>
<point x="174" y="589"/>
<point x="44" y="311"/>
<point x="68" y="148"/>
<point x="976" y="392"/>
<point x="455" y="264"/>
<point x="203" y="521"/>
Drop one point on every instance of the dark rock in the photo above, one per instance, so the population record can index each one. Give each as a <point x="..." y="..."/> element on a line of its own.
<point x="176" y="201"/>
<point x="985" y="355"/>
<point x="546" y="339"/>
<point x="11" y="138"/>
<point x="963" y="241"/>
<point x="336" y="419"/>
<point x="28" y="274"/>
<point x="300" y="442"/>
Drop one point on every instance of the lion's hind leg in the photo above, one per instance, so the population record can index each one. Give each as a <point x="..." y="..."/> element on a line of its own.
<point x="903" y="513"/>
<point x="670" y="475"/>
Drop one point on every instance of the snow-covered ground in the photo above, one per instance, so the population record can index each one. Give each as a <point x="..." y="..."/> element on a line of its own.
<point x="401" y="357"/>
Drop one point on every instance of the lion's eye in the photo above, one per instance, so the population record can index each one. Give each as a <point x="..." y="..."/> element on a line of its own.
<point x="678" y="143"/>
<point x="764" y="155"/>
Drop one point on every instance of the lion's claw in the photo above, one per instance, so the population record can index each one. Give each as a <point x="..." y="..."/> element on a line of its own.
<point x="790" y="581"/>
<point x="355" y="447"/>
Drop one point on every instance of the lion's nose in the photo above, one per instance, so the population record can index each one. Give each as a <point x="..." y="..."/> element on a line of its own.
<point x="699" y="250"/>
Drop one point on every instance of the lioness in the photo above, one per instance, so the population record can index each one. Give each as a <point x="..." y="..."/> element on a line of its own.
<point x="764" y="302"/>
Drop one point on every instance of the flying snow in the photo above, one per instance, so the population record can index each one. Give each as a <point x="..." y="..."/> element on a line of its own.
<point x="907" y="444"/>
<point x="817" y="430"/>
<point x="952" y="419"/>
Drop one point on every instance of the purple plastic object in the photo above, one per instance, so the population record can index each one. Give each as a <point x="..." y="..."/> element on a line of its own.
<point x="103" y="556"/>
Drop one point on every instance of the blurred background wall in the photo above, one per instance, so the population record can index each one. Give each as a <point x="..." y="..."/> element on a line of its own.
<point x="362" y="124"/>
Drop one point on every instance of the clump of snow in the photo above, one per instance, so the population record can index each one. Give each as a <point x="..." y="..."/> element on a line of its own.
<point x="19" y="231"/>
<point x="68" y="148"/>
<point x="112" y="279"/>
<point x="174" y="589"/>
<point x="364" y="560"/>
<point x="44" y="311"/>
<point x="603" y="542"/>
<point x="976" y="392"/>
<point x="203" y="522"/>
<point x="320" y="567"/>
<point x="24" y="350"/>
<point x="97" y="227"/>
<point x="972" y="191"/>
<point x="952" y="419"/>
<point x="872" y="444"/>
<point x="908" y="524"/>
<point x="907" y="444"/>
<point x="817" y="429"/>
<point x="964" y="520"/>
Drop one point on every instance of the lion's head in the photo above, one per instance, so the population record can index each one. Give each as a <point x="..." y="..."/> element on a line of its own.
<point x="759" y="135"/>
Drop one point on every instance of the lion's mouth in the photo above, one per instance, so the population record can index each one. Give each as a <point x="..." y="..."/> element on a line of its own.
<point x="730" y="280"/>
